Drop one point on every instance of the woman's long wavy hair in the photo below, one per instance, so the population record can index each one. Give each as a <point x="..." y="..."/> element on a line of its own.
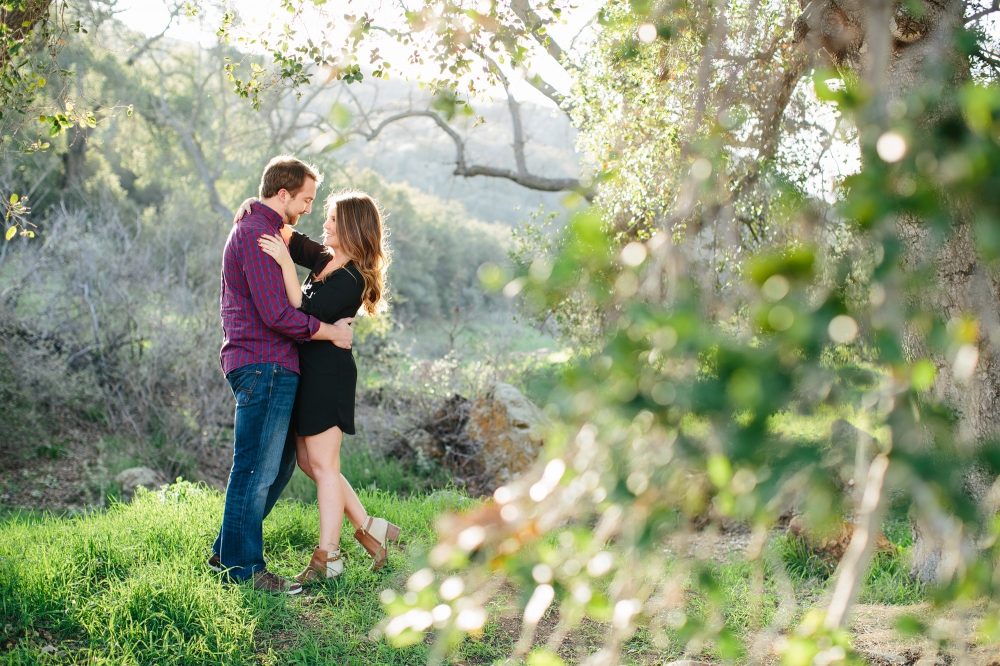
<point x="362" y="238"/>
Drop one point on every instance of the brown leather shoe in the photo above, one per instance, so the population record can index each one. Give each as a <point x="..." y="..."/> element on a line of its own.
<point x="322" y="565"/>
<point x="375" y="535"/>
<point x="267" y="581"/>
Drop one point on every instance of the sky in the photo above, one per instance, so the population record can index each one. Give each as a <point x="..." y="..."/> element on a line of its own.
<point x="152" y="16"/>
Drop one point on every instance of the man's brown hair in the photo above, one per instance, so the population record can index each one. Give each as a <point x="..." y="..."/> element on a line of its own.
<point x="285" y="172"/>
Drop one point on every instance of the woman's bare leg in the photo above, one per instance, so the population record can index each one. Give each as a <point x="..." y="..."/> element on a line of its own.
<point x="352" y="505"/>
<point x="324" y="460"/>
<point x="302" y="456"/>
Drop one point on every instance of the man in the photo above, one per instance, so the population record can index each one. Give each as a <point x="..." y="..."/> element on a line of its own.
<point x="260" y="359"/>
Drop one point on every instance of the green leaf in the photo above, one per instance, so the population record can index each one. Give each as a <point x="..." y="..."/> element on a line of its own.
<point x="719" y="470"/>
<point x="10" y="233"/>
<point x="544" y="658"/>
<point x="14" y="198"/>
<point x="340" y="115"/>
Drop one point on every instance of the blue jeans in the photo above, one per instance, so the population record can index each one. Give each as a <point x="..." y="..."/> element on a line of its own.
<point x="263" y="462"/>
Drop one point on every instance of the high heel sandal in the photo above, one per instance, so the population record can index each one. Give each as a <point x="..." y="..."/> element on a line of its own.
<point x="375" y="535"/>
<point x="322" y="565"/>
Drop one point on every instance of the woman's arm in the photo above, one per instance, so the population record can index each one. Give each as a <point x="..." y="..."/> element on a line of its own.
<point x="305" y="251"/>
<point x="274" y="246"/>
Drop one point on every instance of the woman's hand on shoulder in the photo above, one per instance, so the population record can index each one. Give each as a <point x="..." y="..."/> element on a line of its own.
<point x="275" y="247"/>
<point x="244" y="209"/>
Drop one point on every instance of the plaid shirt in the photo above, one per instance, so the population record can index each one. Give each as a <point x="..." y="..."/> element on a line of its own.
<point x="259" y="323"/>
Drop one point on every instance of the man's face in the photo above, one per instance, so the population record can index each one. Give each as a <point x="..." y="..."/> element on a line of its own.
<point x="301" y="203"/>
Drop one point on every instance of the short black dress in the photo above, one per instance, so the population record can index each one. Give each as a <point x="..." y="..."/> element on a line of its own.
<point x="328" y="376"/>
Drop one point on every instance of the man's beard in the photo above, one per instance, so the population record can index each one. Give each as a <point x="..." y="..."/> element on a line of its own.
<point x="291" y="220"/>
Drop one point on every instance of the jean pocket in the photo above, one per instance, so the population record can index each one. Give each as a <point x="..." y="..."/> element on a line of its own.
<point x="243" y="381"/>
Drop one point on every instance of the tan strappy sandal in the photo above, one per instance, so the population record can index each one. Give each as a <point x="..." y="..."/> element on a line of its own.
<point x="322" y="565"/>
<point x="375" y="535"/>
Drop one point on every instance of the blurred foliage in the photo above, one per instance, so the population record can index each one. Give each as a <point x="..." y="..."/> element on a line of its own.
<point x="673" y="425"/>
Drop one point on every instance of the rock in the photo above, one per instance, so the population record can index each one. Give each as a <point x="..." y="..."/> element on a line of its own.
<point x="424" y="443"/>
<point x="510" y="430"/>
<point x="132" y="478"/>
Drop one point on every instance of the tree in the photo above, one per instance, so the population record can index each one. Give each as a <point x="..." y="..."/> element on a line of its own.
<point x="298" y="65"/>
<point x="694" y="110"/>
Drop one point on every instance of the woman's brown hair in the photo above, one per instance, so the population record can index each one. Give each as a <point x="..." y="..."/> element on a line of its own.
<point x="362" y="238"/>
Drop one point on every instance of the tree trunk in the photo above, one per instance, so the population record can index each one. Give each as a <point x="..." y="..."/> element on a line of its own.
<point x="75" y="157"/>
<point x="895" y="50"/>
<point x="20" y="23"/>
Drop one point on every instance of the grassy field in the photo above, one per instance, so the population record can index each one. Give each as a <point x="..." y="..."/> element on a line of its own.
<point x="129" y="586"/>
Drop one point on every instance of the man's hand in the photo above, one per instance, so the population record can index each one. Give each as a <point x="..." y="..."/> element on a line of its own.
<point x="339" y="333"/>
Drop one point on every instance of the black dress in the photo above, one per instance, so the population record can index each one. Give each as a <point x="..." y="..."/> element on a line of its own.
<point x="327" y="373"/>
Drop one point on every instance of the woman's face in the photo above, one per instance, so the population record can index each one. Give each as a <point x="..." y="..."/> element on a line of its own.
<point x="330" y="231"/>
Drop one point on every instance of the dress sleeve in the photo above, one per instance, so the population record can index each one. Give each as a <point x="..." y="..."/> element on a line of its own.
<point x="307" y="253"/>
<point x="267" y="289"/>
<point x="340" y="291"/>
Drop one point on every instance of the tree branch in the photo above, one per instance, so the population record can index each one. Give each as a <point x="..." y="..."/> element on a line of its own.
<point x="524" y="179"/>
<point x="155" y="38"/>
<point x="197" y="154"/>
<point x="533" y="22"/>
<point x="995" y="7"/>
<point x="855" y="560"/>
<point x="546" y="88"/>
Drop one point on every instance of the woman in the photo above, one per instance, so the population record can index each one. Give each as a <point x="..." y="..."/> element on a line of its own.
<point x="347" y="273"/>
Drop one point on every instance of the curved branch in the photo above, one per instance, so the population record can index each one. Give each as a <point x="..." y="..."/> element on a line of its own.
<point x="529" y="181"/>
<point x="533" y="22"/>
<point x="185" y="130"/>
<point x="522" y="178"/>
<point x="547" y="89"/>
<point x="995" y="7"/>
<point x="174" y="13"/>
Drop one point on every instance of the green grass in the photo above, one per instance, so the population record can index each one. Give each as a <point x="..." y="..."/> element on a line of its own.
<point x="887" y="581"/>
<point x="129" y="586"/>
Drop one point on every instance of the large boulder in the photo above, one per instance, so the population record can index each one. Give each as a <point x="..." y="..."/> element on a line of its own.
<point x="426" y="444"/>
<point x="510" y="430"/>
<point x="132" y="478"/>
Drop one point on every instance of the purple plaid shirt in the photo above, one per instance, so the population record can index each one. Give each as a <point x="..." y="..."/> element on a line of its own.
<point x="259" y="323"/>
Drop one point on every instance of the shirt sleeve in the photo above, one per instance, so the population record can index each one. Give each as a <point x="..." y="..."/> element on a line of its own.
<point x="339" y="292"/>
<point x="267" y="290"/>
<point x="308" y="253"/>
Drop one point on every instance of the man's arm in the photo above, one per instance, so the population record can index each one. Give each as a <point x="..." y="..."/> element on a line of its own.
<point x="267" y="290"/>
<point x="268" y="293"/>
<point x="340" y="333"/>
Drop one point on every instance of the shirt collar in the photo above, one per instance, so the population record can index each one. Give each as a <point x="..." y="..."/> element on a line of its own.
<point x="268" y="214"/>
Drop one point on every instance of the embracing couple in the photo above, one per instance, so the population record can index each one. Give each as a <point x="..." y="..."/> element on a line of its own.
<point x="287" y="357"/>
